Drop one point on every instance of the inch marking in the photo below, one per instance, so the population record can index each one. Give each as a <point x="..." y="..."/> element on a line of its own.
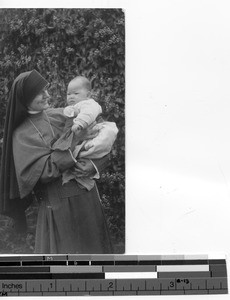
<point x="128" y="277"/>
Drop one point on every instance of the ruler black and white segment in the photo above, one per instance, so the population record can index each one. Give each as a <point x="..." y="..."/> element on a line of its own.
<point x="108" y="275"/>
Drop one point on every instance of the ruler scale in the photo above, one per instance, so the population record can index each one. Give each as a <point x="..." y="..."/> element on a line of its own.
<point x="111" y="275"/>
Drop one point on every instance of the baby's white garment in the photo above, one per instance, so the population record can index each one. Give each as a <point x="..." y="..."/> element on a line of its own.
<point x="86" y="112"/>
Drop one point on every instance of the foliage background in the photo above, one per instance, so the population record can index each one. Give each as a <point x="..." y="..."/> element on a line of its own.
<point x="60" y="44"/>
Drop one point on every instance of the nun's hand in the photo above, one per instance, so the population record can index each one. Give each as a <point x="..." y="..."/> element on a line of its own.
<point x="84" y="168"/>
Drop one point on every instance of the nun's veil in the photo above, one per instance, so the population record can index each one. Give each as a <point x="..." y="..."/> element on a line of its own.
<point x="25" y="87"/>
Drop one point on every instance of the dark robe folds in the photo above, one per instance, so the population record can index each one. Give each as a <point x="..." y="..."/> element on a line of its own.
<point x="70" y="219"/>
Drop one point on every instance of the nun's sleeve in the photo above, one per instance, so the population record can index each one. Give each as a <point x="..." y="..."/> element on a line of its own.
<point x="34" y="161"/>
<point x="56" y="163"/>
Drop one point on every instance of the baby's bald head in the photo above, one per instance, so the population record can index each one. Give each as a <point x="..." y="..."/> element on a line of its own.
<point x="78" y="90"/>
<point x="82" y="81"/>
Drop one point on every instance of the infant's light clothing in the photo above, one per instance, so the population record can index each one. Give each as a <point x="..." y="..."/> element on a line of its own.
<point x="85" y="112"/>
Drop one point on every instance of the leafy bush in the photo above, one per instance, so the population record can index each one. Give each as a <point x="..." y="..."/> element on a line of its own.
<point x="64" y="43"/>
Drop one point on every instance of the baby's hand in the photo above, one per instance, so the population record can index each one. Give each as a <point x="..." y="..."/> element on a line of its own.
<point x="76" y="129"/>
<point x="69" y="111"/>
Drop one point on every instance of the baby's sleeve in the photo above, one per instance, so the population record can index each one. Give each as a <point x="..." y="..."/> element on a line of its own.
<point x="89" y="110"/>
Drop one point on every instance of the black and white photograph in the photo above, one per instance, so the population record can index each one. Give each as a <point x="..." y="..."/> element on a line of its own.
<point x="114" y="142"/>
<point x="62" y="85"/>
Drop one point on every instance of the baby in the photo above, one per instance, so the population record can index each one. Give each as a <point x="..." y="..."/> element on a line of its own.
<point x="85" y="111"/>
<point x="80" y="105"/>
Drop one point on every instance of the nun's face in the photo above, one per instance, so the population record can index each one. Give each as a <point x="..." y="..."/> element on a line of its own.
<point x="40" y="102"/>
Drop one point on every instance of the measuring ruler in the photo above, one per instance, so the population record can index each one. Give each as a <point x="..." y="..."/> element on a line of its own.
<point x="108" y="275"/>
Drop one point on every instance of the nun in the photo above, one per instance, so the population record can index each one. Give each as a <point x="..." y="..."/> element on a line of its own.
<point x="70" y="218"/>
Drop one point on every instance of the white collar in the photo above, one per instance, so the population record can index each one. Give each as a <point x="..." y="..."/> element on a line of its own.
<point x="33" y="112"/>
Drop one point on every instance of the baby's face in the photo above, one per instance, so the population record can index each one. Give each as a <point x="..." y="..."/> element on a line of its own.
<point x="76" y="92"/>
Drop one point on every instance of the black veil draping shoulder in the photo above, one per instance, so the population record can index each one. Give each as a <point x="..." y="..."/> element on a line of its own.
<point x="25" y="87"/>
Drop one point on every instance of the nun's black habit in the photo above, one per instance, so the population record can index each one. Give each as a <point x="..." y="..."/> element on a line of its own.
<point x="25" y="87"/>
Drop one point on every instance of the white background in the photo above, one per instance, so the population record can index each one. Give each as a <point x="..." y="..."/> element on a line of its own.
<point x="178" y="125"/>
<point x="178" y="128"/>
